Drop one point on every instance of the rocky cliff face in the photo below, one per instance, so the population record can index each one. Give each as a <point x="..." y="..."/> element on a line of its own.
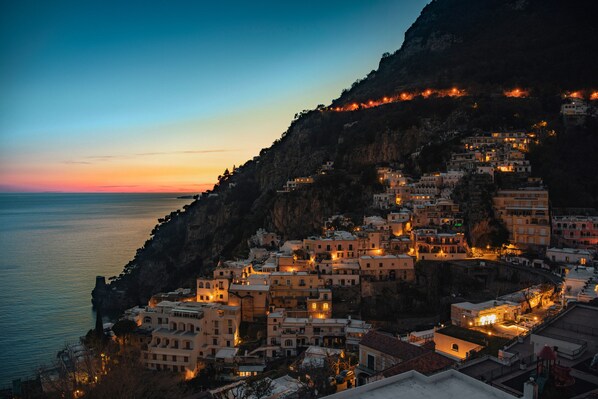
<point x="477" y="44"/>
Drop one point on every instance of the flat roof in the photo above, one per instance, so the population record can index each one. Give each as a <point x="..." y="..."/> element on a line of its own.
<point x="448" y="384"/>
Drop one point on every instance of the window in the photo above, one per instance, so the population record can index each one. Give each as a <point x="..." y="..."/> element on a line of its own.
<point x="288" y="342"/>
<point x="174" y="358"/>
<point x="314" y="306"/>
<point x="455" y="347"/>
<point x="200" y="285"/>
<point x="215" y="341"/>
<point x="326" y="303"/>
<point x="221" y="296"/>
<point x="371" y="362"/>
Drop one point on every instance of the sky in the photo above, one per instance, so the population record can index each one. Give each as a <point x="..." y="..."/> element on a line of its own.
<point x="162" y="96"/>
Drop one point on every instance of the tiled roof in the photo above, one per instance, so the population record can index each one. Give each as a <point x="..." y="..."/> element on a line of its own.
<point x="427" y="363"/>
<point x="391" y="346"/>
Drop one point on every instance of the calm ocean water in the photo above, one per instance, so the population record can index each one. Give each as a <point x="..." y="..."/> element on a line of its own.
<point x="51" y="248"/>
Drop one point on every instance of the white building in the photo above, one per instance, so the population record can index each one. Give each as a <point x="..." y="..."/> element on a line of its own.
<point x="449" y="384"/>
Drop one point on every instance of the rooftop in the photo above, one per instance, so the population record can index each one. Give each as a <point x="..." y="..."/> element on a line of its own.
<point x="448" y="384"/>
<point x="391" y="345"/>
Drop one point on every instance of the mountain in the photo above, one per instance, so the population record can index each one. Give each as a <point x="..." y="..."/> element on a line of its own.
<point x="480" y="47"/>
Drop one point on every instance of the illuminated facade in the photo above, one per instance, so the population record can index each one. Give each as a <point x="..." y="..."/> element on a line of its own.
<point x="525" y="214"/>
<point x="576" y="231"/>
<point x="429" y="244"/>
<point x="467" y="314"/>
<point x="183" y="332"/>
<point x="388" y="267"/>
<point x="288" y="334"/>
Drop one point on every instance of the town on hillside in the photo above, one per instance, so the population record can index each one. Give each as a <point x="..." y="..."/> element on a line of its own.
<point x="426" y="291"/>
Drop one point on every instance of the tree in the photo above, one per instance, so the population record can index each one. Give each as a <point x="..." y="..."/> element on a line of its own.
<point x="259" y="389"/>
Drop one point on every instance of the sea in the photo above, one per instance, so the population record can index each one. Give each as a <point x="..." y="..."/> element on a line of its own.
<point x="52" y="246"/>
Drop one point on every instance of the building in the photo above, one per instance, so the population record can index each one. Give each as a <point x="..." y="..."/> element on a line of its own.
<point x="580" y="284"/>
<point x="459" y="343"/>
<point x="251" y="295"/>
<point x="576" y="231"/>
<point x="340" y="244"/>
<point x="378" y="352"/>
<point x="300" y="291"/>
<point x="429" y="244"/>
<point x="286" y="335"/>
<point x="467" y="314"/>
<point x="183" y="332"/>
<point x="263" y="238"/>
<point x="440" y="213"/>
<point x="449" y="384"/>
<point x="341" y="272"/>
<point x="525" y="215"/>
<point x="569" y="255"/>
<point x="387" y="267"/>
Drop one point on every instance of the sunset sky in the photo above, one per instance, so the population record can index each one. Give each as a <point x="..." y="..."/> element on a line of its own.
<point x="163" y="96"/>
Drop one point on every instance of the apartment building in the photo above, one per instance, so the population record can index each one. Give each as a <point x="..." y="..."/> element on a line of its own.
<point x="387" y="267"/>
<point x="430" y="244"/>
<point x="183" y="332"/>
<point x="525" y="214"/>
<point x="286" y="335"/>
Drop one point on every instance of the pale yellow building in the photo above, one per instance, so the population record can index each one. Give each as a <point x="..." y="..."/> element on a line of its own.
<point x="525" y="214"/>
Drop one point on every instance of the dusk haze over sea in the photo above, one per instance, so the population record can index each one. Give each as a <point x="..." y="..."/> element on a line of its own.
<point x="162" y="97"/>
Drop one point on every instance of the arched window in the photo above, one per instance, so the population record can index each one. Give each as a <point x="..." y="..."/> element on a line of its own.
<point x="288" y="342"/>
<point x="147" y="319"/>
<point x="455" y="347"/>
<point x="208" y="285"/>
<point x="200" y="285"/>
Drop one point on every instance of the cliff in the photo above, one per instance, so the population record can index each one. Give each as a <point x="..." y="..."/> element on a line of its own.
<point x="484" y="47"/>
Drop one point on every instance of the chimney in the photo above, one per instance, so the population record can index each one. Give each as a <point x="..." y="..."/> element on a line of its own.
<point x="530" y="389"/>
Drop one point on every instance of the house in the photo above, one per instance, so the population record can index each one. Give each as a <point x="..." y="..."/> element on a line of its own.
<point x="379" y="351"/>
<point x="387" y="267"/>
<point x="459" y="343"/>
<point x="576" y="231"/>
<point x="570" y="255"/>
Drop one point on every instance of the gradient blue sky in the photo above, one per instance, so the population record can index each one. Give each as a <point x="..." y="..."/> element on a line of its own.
<point x="162" y="96"/>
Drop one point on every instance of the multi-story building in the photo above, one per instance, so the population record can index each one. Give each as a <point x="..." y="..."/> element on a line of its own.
<point x="183" y="332"/>
<point x="429" y="244"/>
<point x="288" y="334"/>
<point x="467" y="314"/>
<point x="251" y="295"/>
<point x="525" y="214"/>
<point x="298" y="291"/>
<point x="399" y="222"/>
<point x="442" y="213"/>
<point x="342" y="272"/>
<point x="575" y="231"/>
<point x="387" y="267"/>
<point x="340" y="244"/>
